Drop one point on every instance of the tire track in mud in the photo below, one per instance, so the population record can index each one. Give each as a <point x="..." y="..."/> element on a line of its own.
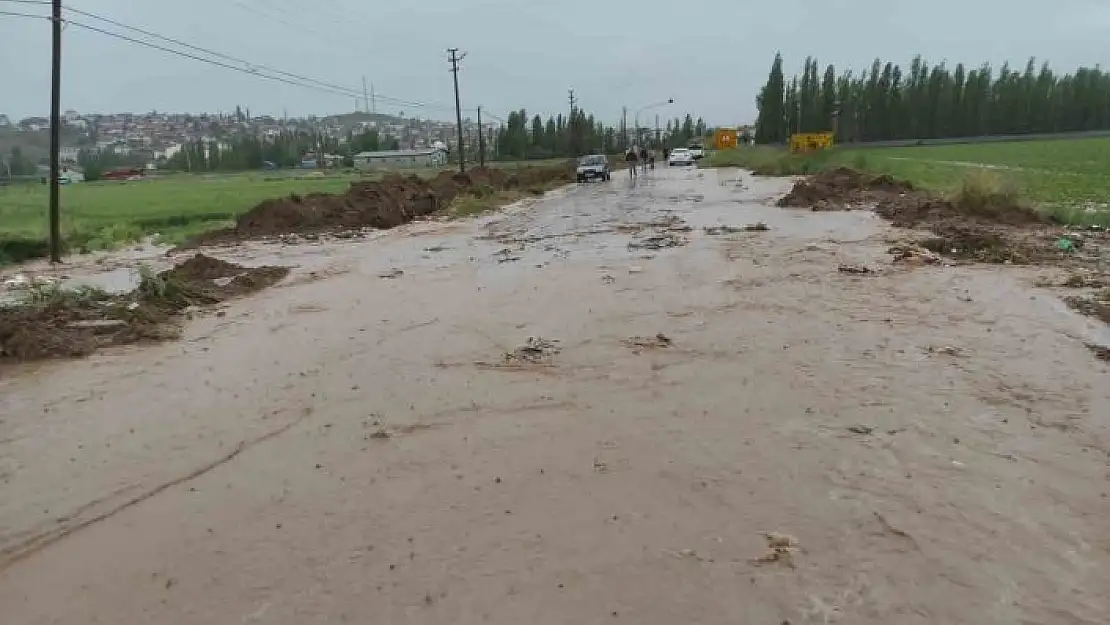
<point x="15" y="553"/>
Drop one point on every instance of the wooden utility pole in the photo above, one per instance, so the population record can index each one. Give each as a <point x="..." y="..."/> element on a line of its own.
<point x="624" y="125"/>
<point x="365" y="96"/>
<point x="481" y="141"/>
<point x="55" y="132"/>
<point x="572" y="124"/>
<point x="455" y="59"/>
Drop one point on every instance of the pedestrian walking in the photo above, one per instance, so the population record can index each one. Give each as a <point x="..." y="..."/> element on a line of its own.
<point x="643" y="159"/>
<point x="631" y="157"/>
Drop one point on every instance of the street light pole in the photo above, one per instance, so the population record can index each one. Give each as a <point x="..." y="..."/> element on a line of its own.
<point x="647" y="108"/>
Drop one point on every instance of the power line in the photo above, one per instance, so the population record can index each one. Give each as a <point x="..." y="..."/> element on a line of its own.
<point x="251" y="68"/>
<point x="209" y="52"/>
<point x="17" y="14"/>
<point x="254" y="72"/>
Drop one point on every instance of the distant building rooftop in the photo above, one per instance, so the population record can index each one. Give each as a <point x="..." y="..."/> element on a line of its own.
<point x="396" y="153"/>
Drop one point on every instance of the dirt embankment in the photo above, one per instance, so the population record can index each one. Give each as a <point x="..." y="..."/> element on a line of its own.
<point x="385" y="203"/>
<point x="843" y="189"/>
<point x="984" y="226"/>
<point x="56" y="323"/>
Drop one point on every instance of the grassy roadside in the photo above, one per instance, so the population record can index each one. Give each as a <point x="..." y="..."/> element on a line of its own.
<point x="172" y="208"/>
<point x="1066" y="179"/>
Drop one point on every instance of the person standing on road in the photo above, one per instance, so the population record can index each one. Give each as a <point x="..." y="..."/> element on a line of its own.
<point x="631" y="158"/>
<point x="643" y="159"/>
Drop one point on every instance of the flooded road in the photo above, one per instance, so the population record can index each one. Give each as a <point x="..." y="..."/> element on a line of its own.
<point x="801" y="445"/>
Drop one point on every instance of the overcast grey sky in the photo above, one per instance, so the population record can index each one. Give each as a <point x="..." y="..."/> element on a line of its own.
<point x="711" y="56"/>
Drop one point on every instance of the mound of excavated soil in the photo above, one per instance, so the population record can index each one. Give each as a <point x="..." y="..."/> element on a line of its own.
<point x="987" y="228"/>
<point x="385" y="203"/>
<point x="842" y="188"/>
<point x="73" y="324"/>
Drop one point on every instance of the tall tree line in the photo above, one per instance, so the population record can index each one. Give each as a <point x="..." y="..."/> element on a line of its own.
<point x="924" y="101"/>
<point x="559" y="136"/>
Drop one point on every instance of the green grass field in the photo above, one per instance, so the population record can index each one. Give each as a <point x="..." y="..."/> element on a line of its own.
<point x="104" y="215"/>
<point x="1069" y="178"/>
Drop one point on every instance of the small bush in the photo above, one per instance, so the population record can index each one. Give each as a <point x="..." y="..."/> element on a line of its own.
<point x="986" y="194"/>
<point x="983" y="188"/>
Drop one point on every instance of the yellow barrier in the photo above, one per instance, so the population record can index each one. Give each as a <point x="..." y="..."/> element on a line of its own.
<point x="725" y="138"/>
<point x="811" y="141"/>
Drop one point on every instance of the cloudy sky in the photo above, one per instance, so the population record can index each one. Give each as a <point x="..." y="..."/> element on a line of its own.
<point x="711" y="56"/>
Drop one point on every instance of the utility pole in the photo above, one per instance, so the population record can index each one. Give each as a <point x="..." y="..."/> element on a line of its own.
<point x="624" y="125"/>
<point x="373" y="99"/>
<point x="55" y="132"/>
<point x="365" y="97"/>
<point x="481" y="141"/>
<point x="572" y="125"/>
<point x="657" y="130"/>
<point x="455" y="58"/>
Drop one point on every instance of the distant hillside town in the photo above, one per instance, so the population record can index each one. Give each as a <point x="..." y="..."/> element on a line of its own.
<point x="158" y="140"/>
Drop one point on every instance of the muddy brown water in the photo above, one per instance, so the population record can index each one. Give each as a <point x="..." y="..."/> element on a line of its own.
<point x="351" y="448"/>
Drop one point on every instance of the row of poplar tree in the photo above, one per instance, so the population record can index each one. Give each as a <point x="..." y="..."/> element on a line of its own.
<point x="569" y="136"/>
<point x="887" y="102"/>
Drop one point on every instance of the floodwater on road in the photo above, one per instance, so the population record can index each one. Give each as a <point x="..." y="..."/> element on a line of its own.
<point x="800" y="445"/>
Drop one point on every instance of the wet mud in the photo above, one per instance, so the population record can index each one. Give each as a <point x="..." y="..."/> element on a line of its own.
<point x="53" y="322"/>
<point x="729" y="430"/>
<point x="987" y="228"/>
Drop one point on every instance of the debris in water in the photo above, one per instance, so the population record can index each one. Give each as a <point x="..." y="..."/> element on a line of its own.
<point x="536" y="350"/>
<point x="716" y="230"/>
<point x="947" y="350"/>
<point x="758" y="226"/>
<point x="658" y="242"/>
<point x="855" y="269"/>
<point x="660" y="340"/>
<point x="635" y="269"/>
<point x="1100" y="351"/>
<point x="780" y="549"/>
<point x="861" y="429"/>
<point x="391" y="274"/>
<point x="910" y="255"/>
<point x="505" y="255"/>
<point x="608" y="279"/>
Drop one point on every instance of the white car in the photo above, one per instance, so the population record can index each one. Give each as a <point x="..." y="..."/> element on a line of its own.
<point x="696" y="151"/>
<point x="680" y="157"/>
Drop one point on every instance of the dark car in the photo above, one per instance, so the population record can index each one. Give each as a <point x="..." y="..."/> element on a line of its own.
<point x="594" y="166"/>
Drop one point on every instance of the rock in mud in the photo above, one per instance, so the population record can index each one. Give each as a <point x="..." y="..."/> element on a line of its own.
<point x="536" y="350"/>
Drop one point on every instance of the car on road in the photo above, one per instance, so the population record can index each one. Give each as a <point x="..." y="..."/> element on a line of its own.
<point x="697" y="151"/>
<point x="680" y="157"/>
<point x="593" y="167"/>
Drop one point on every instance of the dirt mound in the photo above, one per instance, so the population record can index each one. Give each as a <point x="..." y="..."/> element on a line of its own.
<point x="387" y="203"/>
<point x="912" y="210"/>
<point x="67" y="324"/>
<point x="842" y="188"/>
<point x="982" y="225"/>
<point x="201" y="267"/>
